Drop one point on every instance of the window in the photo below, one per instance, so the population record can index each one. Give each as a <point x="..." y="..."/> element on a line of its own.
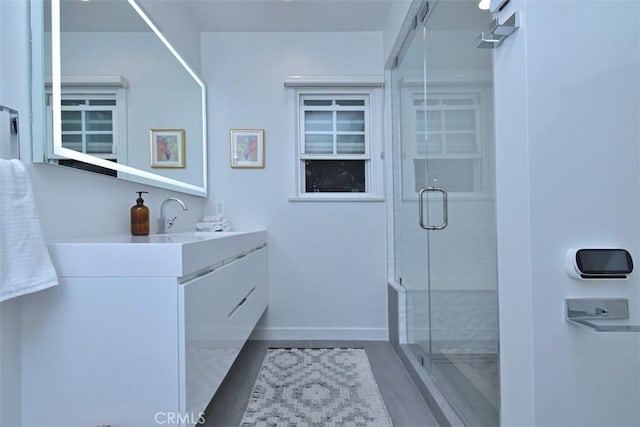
<point x="93" y="122"/>
<point x="450" y="148"/>
<point x="337" y="133"/>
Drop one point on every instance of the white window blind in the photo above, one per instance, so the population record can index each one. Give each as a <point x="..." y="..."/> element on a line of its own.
<point x="335" y="127"/>
<point x="89" y="124"/>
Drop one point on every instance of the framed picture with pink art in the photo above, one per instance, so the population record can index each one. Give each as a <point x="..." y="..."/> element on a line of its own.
<point x="167" y="148"/>
<point x="247" y="148"/>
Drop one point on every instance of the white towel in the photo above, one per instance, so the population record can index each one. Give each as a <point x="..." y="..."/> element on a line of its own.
<point x="25" y="265"/>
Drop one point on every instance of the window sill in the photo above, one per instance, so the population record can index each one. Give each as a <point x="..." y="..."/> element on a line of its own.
<point x="333" y="197"/>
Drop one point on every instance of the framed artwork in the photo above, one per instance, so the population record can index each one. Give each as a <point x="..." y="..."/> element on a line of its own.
<point x="247" y="148"/>
<point x="167" y="148"/>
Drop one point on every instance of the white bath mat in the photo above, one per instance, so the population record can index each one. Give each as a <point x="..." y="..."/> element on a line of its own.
<point x="316" y="387"/>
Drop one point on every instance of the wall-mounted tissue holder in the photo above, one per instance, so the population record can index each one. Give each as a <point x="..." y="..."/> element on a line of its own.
<point x="599" y="263"/>
<point x="581" y="311"/>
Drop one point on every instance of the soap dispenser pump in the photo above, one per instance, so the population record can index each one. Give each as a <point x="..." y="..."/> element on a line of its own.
<point x="140" y="217"/>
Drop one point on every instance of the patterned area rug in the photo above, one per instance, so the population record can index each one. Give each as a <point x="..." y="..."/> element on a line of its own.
<point x="316" y="387"/>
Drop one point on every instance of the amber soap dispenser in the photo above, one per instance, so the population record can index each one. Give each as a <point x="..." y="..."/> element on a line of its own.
<point x="140" y="217"/>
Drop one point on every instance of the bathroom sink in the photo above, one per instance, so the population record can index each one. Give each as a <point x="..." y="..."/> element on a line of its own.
<point x="156" y="255"/>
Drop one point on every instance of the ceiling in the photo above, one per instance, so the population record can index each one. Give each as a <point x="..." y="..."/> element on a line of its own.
<point x="236" y="15"/>
<point x="268" y="15"/>
<point x="290" y="16"/>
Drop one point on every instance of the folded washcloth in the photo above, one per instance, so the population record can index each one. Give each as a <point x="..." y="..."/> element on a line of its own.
<point x="215" y="218"/>
<point x="25" y="265"/>
<point x="213" y="226"/>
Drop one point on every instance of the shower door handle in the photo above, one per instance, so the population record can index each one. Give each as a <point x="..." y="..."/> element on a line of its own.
<point x="445" y="210"/>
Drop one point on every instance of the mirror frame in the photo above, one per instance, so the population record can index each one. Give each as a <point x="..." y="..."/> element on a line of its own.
<point x="38" y="107"/>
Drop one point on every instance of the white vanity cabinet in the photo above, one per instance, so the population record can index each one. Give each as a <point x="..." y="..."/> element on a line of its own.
<point x="126" y="347"/>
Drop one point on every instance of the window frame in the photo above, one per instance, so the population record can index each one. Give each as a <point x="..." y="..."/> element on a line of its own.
<point x="88" y="90"/>
<point x="372" y="92"/>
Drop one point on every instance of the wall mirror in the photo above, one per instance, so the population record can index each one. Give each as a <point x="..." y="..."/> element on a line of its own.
<point x="115" y="97"/>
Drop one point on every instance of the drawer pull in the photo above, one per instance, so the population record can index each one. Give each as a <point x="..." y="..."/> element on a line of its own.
<point x="242" y="301"/>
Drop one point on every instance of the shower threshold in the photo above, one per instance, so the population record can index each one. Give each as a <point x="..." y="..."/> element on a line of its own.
<point x="439" y="405"/>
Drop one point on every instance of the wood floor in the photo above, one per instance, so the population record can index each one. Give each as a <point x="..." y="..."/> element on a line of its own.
<point x="400" y="395"/>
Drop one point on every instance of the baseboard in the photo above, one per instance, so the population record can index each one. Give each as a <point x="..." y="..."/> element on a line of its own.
<point x="352" y="334"/>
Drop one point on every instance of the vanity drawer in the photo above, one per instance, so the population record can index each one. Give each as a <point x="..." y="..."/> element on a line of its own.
<point x="207" y="346"/>
<point x="245" y="275"/>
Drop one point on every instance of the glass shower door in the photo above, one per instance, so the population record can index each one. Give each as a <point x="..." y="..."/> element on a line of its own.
<point x="444" y="206"/>
<point x="460" y="206"/>
<point x="461" y="265"/>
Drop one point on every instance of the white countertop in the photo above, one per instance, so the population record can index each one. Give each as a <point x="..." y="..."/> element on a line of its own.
<point x="156" y="255"/>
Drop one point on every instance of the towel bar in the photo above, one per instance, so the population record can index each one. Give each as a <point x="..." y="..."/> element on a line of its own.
<point x="10" y="149"/>
<point x="580" y="311"/>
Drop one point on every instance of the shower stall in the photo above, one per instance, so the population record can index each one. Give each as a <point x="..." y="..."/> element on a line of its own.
<point x="444" y="206"/>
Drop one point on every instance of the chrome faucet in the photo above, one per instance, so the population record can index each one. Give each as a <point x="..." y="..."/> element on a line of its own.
<point x="164" y="223"/>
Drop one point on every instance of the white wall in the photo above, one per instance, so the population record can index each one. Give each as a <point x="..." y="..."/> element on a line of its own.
<point x="326" y="260"/>
<point x="567" y="114"/>
<point x="14" y="48"/>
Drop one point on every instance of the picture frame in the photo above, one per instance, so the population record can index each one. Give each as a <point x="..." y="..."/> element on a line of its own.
<point x="247" y="148"/>
<point x="167" y="147"/>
